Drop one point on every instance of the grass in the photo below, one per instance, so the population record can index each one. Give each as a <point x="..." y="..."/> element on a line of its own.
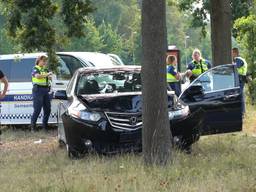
<point x="218" y="163"/>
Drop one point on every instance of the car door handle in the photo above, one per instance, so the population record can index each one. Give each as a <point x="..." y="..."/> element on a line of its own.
<point x="228" y="97"/>
<point x="59" y="83"/>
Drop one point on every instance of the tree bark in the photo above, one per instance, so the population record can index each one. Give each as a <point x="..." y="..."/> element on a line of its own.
<point x="221" y="31"/>
<point x="156" y="125"/>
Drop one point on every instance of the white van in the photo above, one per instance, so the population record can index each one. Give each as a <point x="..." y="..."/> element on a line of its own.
<point x="16" y="107"/>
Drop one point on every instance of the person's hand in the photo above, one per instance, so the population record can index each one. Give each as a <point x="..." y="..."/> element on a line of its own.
<point x="188" y="73"/>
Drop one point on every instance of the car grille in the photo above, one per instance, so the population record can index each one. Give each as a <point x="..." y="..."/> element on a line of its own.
<point x="126" y="121"/>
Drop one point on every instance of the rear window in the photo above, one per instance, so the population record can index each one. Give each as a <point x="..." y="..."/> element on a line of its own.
<point x="17" y="70"/>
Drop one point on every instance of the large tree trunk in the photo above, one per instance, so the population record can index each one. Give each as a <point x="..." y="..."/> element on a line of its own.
<point x="221" y="31"/>
<point x="156" y="126"/>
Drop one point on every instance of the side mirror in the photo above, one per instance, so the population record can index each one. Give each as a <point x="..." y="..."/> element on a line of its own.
<point x="196" y="90"/>
<point x="60" y="94"/>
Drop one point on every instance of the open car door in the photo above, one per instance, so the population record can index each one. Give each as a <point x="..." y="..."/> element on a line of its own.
<point x="218" y="93"/>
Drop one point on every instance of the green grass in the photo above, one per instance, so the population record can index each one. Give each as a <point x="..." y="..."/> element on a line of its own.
<point x="218" y="163"/>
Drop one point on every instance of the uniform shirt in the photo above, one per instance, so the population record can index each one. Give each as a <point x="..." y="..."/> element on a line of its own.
<point x="1" y="74"/>
<point x="171" y="70"/>
<point x="191" y="65"/>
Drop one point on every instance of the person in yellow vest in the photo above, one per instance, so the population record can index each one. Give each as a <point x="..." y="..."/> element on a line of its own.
<point x="173" y="77"/>
<point x="40" y="92"/>
<point x="197" y="66"/>
<point x="241" y="66"/>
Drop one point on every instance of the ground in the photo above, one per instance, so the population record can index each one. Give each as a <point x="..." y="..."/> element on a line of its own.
<point x="34" y="162"/>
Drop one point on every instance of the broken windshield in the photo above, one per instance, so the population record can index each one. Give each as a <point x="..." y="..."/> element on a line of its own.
<point x="109" y="82"/>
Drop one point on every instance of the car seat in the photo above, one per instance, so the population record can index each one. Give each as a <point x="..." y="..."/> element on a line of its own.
<point x="90" y="87"/>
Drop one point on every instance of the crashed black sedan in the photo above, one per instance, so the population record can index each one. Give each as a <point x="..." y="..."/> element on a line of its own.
<point x="101" y="110"/>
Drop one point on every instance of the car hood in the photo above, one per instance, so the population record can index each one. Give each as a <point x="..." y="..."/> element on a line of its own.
<point x="117" y="102"/>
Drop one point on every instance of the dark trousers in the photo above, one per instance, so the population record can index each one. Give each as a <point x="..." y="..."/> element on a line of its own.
<point x="41" y="99"/>
<point x="175" y="86"/>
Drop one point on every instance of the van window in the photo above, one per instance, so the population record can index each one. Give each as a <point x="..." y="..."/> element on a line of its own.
<point x="18" y="70"/>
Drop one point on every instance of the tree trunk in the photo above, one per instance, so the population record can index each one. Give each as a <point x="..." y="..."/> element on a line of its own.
<point x="221" y="31"/>
<point x="156" y="125"/>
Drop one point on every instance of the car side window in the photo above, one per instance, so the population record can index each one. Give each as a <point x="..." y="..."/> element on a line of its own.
<point x="63" y="73"/>
<point x="219" y="78"/>
<point x="71" y="62"/>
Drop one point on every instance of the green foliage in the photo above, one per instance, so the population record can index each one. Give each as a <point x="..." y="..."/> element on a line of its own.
<point x="113" y="27"/>
<point x="111" y="39"/>
<point x="74" y="16"/>
<point x="246" y="30"/>
<point x="29" y="23"/>
<point x="90" y="42"/>
<point x="201" y="9"/>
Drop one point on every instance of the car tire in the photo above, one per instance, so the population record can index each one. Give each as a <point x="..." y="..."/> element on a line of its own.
<point x="62" y="144"/>
<point x="72" y="154"/>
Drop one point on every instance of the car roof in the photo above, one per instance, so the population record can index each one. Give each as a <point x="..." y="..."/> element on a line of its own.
<point x="126" y="68"/>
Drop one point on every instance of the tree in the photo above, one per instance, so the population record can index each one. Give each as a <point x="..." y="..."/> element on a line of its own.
<point x="221" y="31"/>
<point x="29" y="22"/>
<point x="222" y="12"/>
<point x="156" y="126"/>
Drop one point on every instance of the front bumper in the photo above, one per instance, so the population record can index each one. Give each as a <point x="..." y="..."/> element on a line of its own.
<point x="103" y="138"/>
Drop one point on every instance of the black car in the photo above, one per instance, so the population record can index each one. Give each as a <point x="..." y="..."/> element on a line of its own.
<point x="101" y="110"/>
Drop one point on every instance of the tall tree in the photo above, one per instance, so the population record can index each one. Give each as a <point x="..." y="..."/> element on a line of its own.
<point x="221" y="31"/>
<point x="156" y="126"/>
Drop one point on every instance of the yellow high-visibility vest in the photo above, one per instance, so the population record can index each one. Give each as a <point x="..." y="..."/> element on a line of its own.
<point x="42" y="81"/>
<point x="198" y="70"/>
<point x="170" y="77"/>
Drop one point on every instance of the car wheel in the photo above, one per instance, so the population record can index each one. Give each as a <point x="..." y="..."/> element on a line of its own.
<point x="62" y="144"/>
<point x="184" y="143"/>
<point x="72" y="154"/>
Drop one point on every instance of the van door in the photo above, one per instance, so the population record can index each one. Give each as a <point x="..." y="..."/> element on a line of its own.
<point x="217" y="92"/>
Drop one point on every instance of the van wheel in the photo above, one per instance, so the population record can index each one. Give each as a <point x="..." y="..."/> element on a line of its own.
<point x="72" y="154"/>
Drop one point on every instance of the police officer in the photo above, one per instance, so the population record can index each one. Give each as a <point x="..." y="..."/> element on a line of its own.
<point x="40" y="92"/>
<point x="173" y="76"/>
<point x="197" y="66"/>
<point x="242" y="70"/>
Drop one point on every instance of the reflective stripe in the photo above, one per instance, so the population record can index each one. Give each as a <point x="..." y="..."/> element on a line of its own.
<point x="243" y="69"/>
<point x="42" y="81"/>
<point x="170" y="77"/>
<point x="198" y="70"/>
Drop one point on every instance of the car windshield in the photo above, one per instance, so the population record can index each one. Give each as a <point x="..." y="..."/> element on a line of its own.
<point x="100" y="60"/>
<point x="109" y="82"/>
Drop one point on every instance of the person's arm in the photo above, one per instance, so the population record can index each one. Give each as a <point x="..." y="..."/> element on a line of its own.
<point x="175" y="74"/>
<point x="5" y="82"/>
<point x="209" y="65"/>
<point x="41" y="76"/>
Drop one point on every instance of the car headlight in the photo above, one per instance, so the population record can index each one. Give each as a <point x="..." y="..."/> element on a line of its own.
<point x="178" y="113"/>
<point x="85" y="115"/>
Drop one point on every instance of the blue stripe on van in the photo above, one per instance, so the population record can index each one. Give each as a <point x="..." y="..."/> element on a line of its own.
<point x="18" y="97"/>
